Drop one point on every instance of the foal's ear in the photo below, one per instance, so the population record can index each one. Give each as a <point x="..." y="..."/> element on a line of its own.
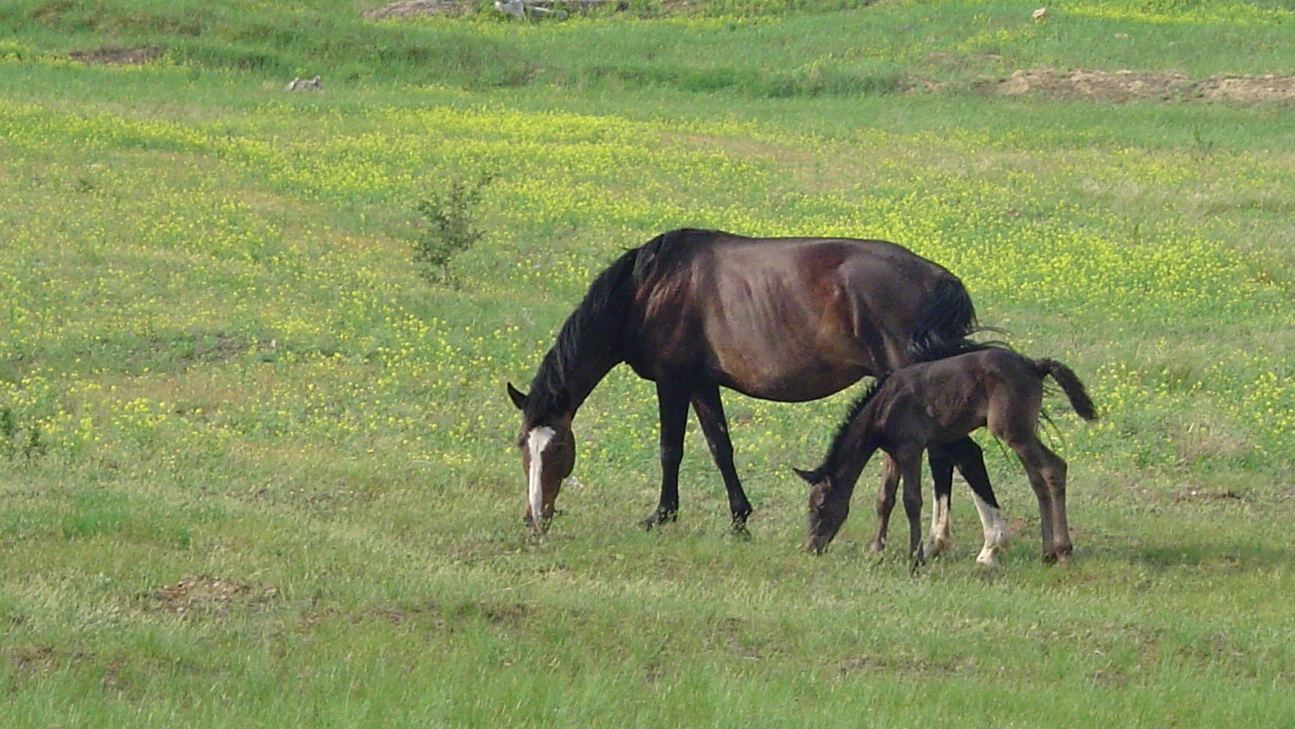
<point x="517" y="397"/>
<point x="810" y="476"/>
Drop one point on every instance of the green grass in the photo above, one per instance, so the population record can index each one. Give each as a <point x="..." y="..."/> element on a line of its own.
<point x="256" y="470"/>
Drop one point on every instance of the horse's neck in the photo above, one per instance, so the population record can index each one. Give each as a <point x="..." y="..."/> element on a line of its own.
<point x="587" y="377"/>
<point x="578" y="380"/>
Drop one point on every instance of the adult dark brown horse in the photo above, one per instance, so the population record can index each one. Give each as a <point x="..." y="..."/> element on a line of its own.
<point x="788" y="319"/>
<point x="935" y="402"/>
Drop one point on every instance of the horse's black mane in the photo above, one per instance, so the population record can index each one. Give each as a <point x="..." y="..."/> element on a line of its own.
<point x="597" y="319"/>
<point x="600" y="316"/>
<point x="666" y="250"/>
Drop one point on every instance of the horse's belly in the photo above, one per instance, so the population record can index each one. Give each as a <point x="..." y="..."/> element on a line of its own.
<point x="790" y="385"/>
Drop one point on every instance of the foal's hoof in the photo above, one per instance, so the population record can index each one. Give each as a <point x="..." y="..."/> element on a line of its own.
<point x="918" y="561"/>
<point x="536" y="530"/>
<point x="1060" y="555"/>
<point x="936" y="547"/>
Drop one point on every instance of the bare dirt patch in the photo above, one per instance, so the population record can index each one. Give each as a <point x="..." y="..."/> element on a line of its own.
<point x="415" y="8"/>
<point x="32" y="660"/>
<point x="206" y="595"/>
<point x="116" y="56"/>
<point x="1121" y="86"/>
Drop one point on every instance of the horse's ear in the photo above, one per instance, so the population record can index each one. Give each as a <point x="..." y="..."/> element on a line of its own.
<point x="518" y="398"/>
<point x="810" y="476"/>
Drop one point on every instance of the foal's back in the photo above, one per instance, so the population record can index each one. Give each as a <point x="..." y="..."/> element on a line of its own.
<point x="935" y="402"/>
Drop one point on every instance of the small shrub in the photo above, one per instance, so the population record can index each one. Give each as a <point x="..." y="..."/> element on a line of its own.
<point x="15" y="442"/>
<point x="449" y="227"/>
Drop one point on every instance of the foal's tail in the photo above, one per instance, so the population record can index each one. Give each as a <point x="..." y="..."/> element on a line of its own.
<point x="1070" y="384"/>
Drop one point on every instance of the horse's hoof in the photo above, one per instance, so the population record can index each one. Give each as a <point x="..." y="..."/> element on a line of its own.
<point x="658" y="518"/>
<point x="877" y="546"/>
<point x="739" y="531"/>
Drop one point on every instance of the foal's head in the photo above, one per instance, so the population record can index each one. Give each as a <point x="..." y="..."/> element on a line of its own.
<point x="828" y="507"/>
<point x="548" y="452"/>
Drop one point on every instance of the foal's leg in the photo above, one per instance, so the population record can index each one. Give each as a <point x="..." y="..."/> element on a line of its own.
<point x="885" y="501"/>
<point x="942" y="476"/>
<point x="710" y="412"/>
<point x="1053" y="469"/>
<point x="910" y="468"/>
<point x="672" y="405"/>
<point x="1041" y="468"/>
<point x="970" y="460"/>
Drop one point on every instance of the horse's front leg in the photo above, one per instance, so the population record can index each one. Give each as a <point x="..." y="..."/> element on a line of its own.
<point x="672" y="405"/>
<point x="710" y="412"/>
<point x="910" y="469"/>
<point x="885" y="501"/>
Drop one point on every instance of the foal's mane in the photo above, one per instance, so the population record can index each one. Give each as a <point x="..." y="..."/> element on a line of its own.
<point x="930" y="350"/>
<point x="927" y="351"/>
<point x="838" y="447"/>
<point x="595" y="322"/>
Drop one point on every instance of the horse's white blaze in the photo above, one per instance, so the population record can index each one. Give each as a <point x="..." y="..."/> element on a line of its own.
<point x="537" y="440"/>
<point x="995" y="527"/>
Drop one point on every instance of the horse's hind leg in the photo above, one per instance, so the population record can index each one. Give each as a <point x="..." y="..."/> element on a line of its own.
<point x="885" y="501"/>
<point x="710" y="412"/>
<point x="970" y="461"/>
<point x="1047" y="472"/>
<point x="1054" y="472"/>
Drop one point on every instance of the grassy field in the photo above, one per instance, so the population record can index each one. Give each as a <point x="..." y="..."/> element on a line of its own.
<point x="255" y="470"/>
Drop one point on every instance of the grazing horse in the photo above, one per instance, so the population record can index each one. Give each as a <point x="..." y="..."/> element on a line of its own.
<point x="929" y="403"/>
<point x="787" y="319"/>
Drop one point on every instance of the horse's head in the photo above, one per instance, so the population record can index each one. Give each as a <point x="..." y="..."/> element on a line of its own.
<point x="827" y="510"/>
<point x="548" y="452"/>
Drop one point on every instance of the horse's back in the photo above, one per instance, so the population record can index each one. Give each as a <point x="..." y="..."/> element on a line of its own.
<point x="791" y="318"/>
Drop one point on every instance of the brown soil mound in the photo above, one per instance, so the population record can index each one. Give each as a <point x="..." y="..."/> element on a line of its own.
<point x="204" y="594"/>
<point x="408" y="8"/>
<point x="116" y="56"/>
<point x="1120" y="86"/>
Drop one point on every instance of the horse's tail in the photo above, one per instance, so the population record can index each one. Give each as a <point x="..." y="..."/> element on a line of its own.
<point x="1070" y="384"/>
<point x="945" y="322"/>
